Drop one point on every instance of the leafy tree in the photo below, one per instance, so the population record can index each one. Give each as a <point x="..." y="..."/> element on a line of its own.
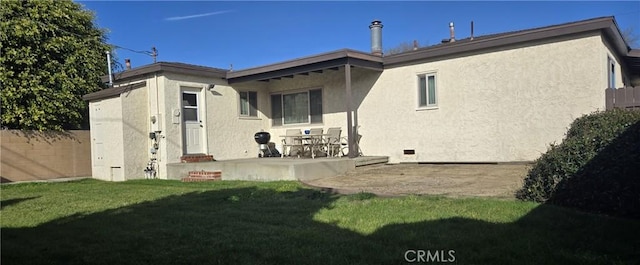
<point x="632" y="38"/>
<point x="51" y="54"/>
<point x="402" y="47"/>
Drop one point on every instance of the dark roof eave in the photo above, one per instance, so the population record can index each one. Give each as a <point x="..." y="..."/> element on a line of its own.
<point x="113" y="91"/>
<point x="607" y="24"/>
<point x="168" y="67"/>
<point x="307" y="64"/>
<point x="633" y="61"/>
<point x="634" y="53"/>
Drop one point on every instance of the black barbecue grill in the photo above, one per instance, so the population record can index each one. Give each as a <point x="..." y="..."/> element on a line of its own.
<point x="266" y="149"/>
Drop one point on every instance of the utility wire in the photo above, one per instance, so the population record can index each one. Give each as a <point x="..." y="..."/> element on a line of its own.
<point x="114" y="46"/>
<point x="125" y="48"/>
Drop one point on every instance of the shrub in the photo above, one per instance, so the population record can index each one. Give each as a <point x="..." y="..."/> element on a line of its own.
<point x="596" y="168"/>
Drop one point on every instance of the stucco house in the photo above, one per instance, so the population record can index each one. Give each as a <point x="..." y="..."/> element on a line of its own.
<point x="493" y="98"/>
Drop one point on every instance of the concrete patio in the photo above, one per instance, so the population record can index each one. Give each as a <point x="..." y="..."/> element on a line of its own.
<point x="272" y="169"/>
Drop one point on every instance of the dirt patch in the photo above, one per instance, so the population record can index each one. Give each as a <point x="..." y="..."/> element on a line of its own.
<point x="499" y="181"/>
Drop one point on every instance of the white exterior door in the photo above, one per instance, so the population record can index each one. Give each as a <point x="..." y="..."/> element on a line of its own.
<point x="192" y="123"/>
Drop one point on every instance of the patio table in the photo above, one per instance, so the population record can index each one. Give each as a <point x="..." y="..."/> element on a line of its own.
<point x="311" y="142"/>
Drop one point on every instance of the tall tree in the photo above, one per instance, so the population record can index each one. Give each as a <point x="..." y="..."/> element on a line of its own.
<point x="51" y="53"/>
<point x="402" y="47"/>
<point x="631" y="36"/>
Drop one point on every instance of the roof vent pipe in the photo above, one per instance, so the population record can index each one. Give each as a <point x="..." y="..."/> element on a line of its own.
<point x="471" y="29"/>
<point x="452" y="38"/>
<point x="376" y="37"/>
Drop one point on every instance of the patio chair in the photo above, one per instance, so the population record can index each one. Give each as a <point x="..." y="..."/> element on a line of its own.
<point x="316" y="143"/>
<point x="292" y="142"/>
<point x="332" y="141"/>
<point x="315" y="131"/>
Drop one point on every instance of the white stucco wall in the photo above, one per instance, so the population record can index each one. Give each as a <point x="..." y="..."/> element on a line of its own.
<point x="226" y="134"/>
<point x="231" y="136"/>
<point x="135" y="132"/>
<point x="506" y="105"/>
<point x="107" y="144"/>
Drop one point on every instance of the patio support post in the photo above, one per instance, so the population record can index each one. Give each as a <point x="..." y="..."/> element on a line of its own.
<point x="350" y="136"/>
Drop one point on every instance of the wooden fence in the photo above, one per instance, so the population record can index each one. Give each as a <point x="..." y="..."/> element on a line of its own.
<point x="624" y="98"/>
<point x="32" y="155"/>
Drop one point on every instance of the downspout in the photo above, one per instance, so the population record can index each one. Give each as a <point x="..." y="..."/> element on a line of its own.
<point x="155" y="76"/>
<point x="152" y="170"/>
<point x="158" y="156"/>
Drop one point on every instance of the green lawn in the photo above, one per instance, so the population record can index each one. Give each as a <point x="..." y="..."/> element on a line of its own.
<point x="169" y="222"/>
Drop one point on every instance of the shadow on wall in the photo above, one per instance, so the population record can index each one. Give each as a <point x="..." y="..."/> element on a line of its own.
<point x="48" y="137"/>
<point x="610" y="182"/>
<point x="260" y="226"/>
<point x="361" y="83"/>
<point x="34" y="155"/>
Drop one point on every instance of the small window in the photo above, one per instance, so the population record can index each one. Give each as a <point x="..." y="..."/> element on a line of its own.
<point x="249" y="104"/>
<point x="612" y="73"/>
<point x="427" y="91"/>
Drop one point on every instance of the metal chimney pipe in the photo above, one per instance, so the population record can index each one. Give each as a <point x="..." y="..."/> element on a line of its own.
<point x="376" y="37"/>
<point x="452" y="38"/>
<point x="127" y="63"/>
<point x="109" y="68"/>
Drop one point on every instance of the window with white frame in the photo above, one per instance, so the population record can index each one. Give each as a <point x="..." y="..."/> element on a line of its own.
<point x="301" y="107"/>
<point x="427" y="90"/>
<point x="611" y="77"/>
<point x="190" y="106"/>
<point x="248" y="104"/>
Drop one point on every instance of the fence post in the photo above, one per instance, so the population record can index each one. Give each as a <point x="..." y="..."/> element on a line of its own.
<point x="636" y="96"/>
<point x="620" y="101"/>
<point x="609" y="96"/>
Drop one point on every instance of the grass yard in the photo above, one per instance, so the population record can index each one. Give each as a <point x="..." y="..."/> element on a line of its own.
<point x="169" y="222"/>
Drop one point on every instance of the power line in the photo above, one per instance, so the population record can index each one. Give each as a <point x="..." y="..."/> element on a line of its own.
<point x="131" y="50"/>
<point x="153" y="53"/>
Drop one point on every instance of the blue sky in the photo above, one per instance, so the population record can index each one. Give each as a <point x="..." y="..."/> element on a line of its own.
<point x="248" y="34"/>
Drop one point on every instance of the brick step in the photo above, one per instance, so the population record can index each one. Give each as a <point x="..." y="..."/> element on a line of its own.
<point x="198" y="179"/>
<point x="203" y="176"/>
<point x="196" y="158"/>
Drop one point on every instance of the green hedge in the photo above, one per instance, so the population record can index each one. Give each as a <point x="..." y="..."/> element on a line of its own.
<point x="596" y="168"/>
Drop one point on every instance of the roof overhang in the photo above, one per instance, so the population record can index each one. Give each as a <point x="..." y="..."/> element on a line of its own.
<point x="173" y="67"/>
<point x="113" y="91"/>
<point x="606" y="24"/>
<point x="305" y="65"/>
<point x="633" y="61"/>
<point x="141" y="73"/>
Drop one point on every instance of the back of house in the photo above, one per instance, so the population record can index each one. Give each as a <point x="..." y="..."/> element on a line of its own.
<point x="495" y="98"/>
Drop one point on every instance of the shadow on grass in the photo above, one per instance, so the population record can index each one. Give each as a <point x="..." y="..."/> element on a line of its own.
<point x="9" y="202"/>
<point x="261" y="226"/>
